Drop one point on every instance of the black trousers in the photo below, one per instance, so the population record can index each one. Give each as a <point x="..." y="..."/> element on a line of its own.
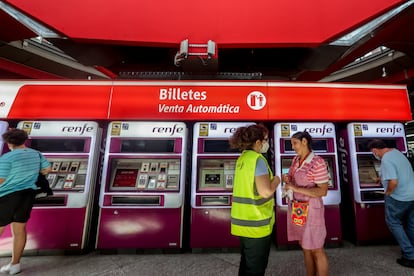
<point x="254" y="255"/>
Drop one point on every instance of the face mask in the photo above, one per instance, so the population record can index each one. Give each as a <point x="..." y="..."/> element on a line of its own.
<point x="376" y="156"/>
<point x="265" y="147"/>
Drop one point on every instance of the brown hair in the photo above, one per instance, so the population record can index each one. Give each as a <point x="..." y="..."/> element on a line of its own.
<point x="245" y="137"/>
<point x="15" y="136"/>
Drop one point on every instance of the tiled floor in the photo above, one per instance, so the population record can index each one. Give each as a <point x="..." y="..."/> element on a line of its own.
<point x="346" y="260"/>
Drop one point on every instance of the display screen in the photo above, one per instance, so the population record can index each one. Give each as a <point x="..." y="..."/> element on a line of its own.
<point x="362" y="143"/>
<point x="320" y="145"/>
<point x="58" y="145"/>
<point x="125" y="178"/>
<point x="139" y="145"/>
<point x="368" y="172"/>
<point x="218" y="146"/>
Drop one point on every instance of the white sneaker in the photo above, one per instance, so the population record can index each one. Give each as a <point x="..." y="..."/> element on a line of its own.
<point x="14" y="269"/>
<point x="10" y="269"/>
<point x="5" y="268"/>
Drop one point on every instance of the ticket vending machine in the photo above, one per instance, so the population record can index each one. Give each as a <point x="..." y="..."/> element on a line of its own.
<point x="3" y="128"/>
<point x="61" y="221"/>
<point x="324" y="144"/>
<point x="212" y="185"/>
<point x="363" y="194"/>
<point x="142" y="190"/>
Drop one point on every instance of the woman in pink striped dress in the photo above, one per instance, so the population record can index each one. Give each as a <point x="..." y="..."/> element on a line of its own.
<point x="308" y="178"/>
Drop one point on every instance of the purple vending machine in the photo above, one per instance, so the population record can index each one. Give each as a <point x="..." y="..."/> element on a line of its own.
<point x="3" y="128"/>
<point x="142" y="190"/>
<point x="62" y="221"/>
<point x="363" y="194"/>
<point x="212" y="185"/>
<point x="324" y="145"/>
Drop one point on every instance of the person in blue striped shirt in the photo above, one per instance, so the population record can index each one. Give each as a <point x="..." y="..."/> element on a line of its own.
<point x="19" y="170"/>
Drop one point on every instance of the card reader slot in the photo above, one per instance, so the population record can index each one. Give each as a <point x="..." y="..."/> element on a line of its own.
<point x="51" y="201"/>
<point x="372" y="195"/>
<point x="215" y="200"/>
<point x="136" y="200"/>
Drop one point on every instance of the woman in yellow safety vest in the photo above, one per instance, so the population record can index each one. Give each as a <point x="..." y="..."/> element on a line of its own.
<point x="252" y="210"/>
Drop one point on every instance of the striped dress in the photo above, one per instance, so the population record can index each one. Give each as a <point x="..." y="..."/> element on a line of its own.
<point x="313" y="171"/>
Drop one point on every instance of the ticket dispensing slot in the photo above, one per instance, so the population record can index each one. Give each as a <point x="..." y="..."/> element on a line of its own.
<point x="215" y="200"/>
<point x="56" y="200"/>
<point x="137" y="200"/>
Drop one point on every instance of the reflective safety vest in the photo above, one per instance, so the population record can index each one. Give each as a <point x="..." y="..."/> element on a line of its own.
<point x="252" y="216"/>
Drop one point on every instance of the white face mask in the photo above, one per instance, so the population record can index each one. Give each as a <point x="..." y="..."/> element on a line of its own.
<point x="265" y="147"/>
<point x="376" y="156"/>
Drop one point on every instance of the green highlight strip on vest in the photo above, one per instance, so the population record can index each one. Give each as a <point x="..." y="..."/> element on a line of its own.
<point x="257" y="202"/>
<point x="251" y="223"/>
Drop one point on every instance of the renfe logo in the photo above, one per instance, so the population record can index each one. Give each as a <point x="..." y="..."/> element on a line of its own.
<point x="168" y="130"/>
<point x="389" y="130"/>
<point x="319" y="130"/>
<point x="78" y="129"/>
<point x="343" y="154"/>
<point x="230" y="130"/>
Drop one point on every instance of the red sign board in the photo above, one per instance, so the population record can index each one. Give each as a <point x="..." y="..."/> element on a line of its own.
<point x="185" y="102"/>
<point x="207" y="100"/>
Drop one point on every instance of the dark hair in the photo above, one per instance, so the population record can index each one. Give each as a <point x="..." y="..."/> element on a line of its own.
<point x="245" y="137"/>
<point x="377" y="144"/>
<point x="15" y="136"/>
<point x="304" y="135"/>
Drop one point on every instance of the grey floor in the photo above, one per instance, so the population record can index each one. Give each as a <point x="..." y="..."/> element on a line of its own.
<point x="346" y="260"/>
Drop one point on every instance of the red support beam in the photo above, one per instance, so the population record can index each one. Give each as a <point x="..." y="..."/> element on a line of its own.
<point x="25" y="71"/>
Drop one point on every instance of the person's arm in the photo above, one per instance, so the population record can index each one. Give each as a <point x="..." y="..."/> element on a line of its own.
<point x="392" y="185"/>
<point x="46" y="170"/>
<point x="264" y="186"/>
<point x="4" y="168"/>
<point x="318" y="191"/>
